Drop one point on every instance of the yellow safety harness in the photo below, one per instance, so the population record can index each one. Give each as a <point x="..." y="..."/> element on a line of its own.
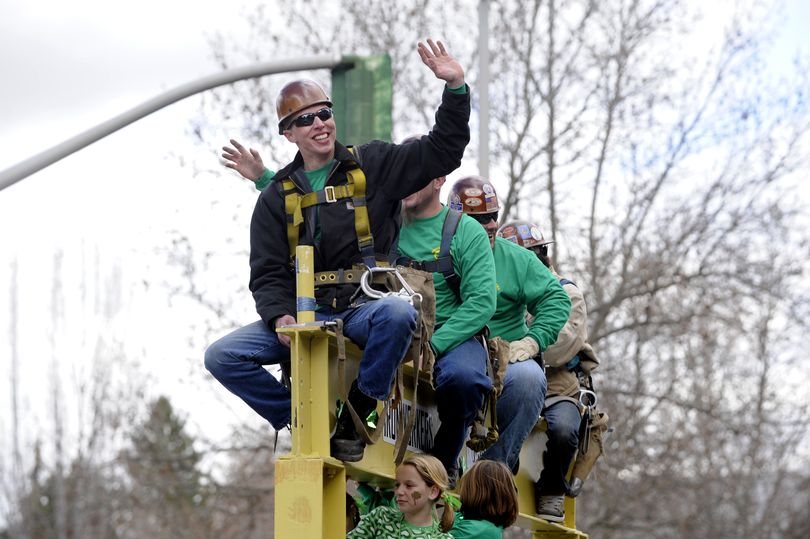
<point x="355" y="189"/>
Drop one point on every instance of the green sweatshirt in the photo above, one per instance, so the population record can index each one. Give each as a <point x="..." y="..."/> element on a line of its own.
<point x="456" y="319"/>
<point x="265" y="179"/>
<point x="389" y="522"/>
<point x="474" y="529"/>
<point x="525" y="284"/>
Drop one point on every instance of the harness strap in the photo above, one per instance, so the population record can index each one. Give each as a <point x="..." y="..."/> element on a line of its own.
<point x="292" y="209"/>
<point x="440" y="265"/>
<point x="362" y="224"/>
<point x="338" y="277"/>
<point x="359" y="423"/>
<point x="350" y="276"/>
<point x="551" y="401"/>
<point x="328" y="195"/>
<point x="444" y="262"/>
<point x="448" y="231"/>
<point x="355" y="190"/>
<point x="417" y="355"/>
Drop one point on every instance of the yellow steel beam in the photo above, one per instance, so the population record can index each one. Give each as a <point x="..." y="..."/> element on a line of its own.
<point x="311" y="485"/>
<point x="310" y="497"/>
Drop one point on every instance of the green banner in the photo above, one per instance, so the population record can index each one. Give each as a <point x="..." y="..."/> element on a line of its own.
<point x="361" y="97"/>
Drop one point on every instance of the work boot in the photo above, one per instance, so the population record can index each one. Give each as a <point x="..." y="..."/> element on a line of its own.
<point x="453" y="476"/>
<point x="346" y="444"/>
<point x="550" y="507"/>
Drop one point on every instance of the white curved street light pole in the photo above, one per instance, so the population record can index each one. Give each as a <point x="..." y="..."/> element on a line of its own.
<point x="41" y="160"/>
<point x="483" y="88"/>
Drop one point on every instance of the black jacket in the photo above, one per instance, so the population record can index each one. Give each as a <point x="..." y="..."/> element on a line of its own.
<point x="392" y="172"/>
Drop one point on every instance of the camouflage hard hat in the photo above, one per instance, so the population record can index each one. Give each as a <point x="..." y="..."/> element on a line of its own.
<point x="294" y="97"/>
<point x="523" y="233"/>
<point x="474" y="195"/>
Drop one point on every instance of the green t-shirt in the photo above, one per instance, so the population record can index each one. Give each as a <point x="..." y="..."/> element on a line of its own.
<point x="317" y="181"/>
<point x="389" y="522"/>
<point x="474" y="529"/>
<point x="525" y="284"/>
<point x="456" y="319"/>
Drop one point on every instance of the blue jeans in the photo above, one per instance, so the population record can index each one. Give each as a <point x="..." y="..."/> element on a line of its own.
<point x="518" y="408"/>
<point x="383" y="328"/>
<point x="563" y="420"/>
<point x="461" y="382"/>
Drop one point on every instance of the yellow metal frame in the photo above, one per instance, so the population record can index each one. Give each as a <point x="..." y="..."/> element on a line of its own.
<point x="310" y="492"/>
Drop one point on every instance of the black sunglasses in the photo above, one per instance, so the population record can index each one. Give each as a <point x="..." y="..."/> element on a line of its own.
<point x="484" y="218"/>
<point x="309" y="118"/>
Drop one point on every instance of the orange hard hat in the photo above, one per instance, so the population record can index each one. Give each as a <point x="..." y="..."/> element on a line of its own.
<point x="294" y="97"/>
<point x="473" y="194"/>
<point x="523" y="233"/>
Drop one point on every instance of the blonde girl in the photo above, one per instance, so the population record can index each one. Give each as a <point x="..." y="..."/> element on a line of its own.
<point x="421" y="482"/>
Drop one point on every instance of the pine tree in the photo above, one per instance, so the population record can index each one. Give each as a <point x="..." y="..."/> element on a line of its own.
<point x="168" y="488"/>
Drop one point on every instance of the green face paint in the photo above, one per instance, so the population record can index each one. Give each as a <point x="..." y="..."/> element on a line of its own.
<point x="416" y="496"/>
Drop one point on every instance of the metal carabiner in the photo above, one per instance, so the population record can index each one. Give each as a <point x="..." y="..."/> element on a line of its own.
<point x="366" y="287"/>
<point x="587" y="398"/>
<point x="406" y="293"/>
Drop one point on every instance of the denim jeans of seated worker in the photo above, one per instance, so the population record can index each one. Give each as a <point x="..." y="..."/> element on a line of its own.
<point x="519" y="406"/>
<point x="461" y="381"/>
<point x="563" y="420"/>
<point x="383" y="328"/>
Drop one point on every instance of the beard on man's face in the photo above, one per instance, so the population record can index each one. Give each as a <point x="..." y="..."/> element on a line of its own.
<point x="412" y="205"/>
<point x="407" y="215"/>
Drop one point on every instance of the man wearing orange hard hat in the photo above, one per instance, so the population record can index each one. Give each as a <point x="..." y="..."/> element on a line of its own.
<point x="523" y="285"/>
<point x="345" y="202"/>
<point x="569" y="363"/>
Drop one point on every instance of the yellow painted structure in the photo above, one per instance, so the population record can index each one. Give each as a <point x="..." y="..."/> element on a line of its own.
<point x="310" y="485"/>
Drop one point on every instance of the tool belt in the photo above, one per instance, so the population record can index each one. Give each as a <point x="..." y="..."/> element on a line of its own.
<point x="350" y="276"/>
<point x="340" y="288"/>
<point x="339" y="277"/>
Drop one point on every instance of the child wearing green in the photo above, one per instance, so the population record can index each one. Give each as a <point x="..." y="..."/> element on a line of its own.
<point x="488" y="502"/>
<point x="421" y="482"/>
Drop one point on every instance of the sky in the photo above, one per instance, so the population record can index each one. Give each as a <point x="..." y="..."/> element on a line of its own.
<point x="65" y="67"/>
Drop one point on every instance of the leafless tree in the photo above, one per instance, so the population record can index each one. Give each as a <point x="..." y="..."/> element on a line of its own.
<point x="14" y="479"/>
<point x="669" y="186"/>
<point x="64" y="478"/>
<point x="57" y="396"/>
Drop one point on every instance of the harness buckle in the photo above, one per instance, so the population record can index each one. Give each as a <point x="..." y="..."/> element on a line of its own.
<point x="329" y="192"/>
